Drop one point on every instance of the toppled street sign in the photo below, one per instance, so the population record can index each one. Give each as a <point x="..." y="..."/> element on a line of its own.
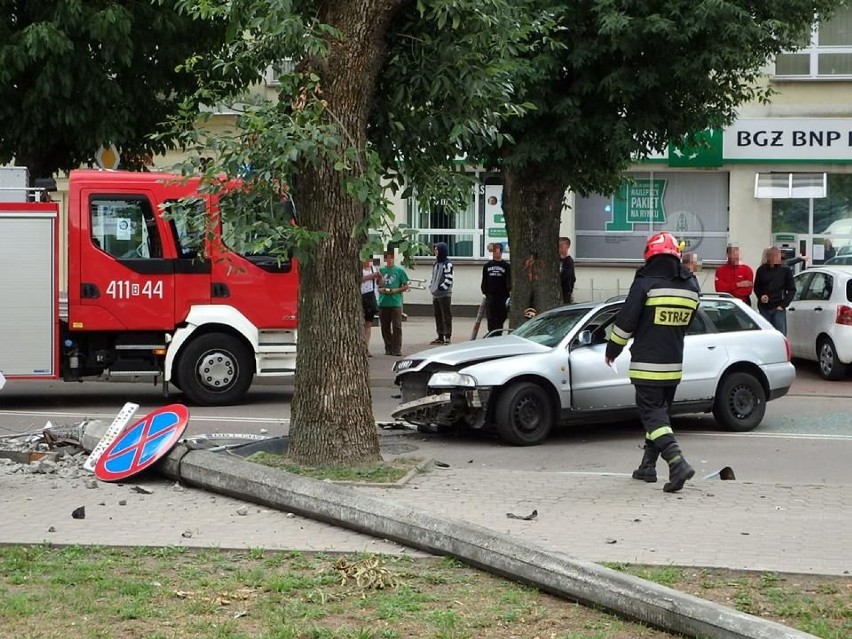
<point x="115" y="429"/>
<point x="142" y="444"/>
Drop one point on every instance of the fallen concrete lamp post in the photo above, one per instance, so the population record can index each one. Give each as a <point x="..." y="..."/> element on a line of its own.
<point x="581" y="581"/>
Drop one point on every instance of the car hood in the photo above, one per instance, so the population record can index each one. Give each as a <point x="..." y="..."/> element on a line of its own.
<point x="473" y="351"/>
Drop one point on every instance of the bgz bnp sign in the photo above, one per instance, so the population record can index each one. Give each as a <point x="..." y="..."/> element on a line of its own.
<point x="789" y="139"/>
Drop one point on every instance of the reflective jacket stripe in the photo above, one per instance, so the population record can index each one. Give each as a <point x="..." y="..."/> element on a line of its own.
<point x="681" y="302"/>
<point x="673" y="292"/>
<point x="656" y="367"/>
<point x="656" y="377"/>
<point x="659" y="432"/>
<point x="621" y="334"/>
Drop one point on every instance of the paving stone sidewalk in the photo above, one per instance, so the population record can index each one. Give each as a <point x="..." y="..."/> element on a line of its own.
<point x="766" y="527"/>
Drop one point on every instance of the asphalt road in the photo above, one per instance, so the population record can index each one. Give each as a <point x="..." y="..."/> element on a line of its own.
<point x="806" y="437"/>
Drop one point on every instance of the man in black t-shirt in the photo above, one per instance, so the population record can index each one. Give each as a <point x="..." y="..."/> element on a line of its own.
<point x="496" y="286"/>
<point x="567" y="278"/>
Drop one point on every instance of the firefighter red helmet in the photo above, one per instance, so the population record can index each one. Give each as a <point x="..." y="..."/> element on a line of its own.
<point x="662" y="244"/>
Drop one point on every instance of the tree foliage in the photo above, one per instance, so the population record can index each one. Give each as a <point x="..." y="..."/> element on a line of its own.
<point x="612" y="81"/>
<point x="380" y="93"/>
<point x="78" y="74"/>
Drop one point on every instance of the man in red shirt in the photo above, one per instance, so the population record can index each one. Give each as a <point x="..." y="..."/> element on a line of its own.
<point x="735" y="278"/>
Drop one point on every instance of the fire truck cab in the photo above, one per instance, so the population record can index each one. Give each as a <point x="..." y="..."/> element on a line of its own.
<point x="143" y="299"/>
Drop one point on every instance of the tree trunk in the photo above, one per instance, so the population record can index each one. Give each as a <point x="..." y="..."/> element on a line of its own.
<point x="533" y="208"/>
<point x="332" y="418"/>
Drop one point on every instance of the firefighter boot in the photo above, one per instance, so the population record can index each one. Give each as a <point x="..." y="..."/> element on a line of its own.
<point x="679" y="469"/>
<point x="647" y="470"/>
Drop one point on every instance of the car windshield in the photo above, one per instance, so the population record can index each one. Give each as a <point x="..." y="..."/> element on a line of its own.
<point x="550" y="328"/>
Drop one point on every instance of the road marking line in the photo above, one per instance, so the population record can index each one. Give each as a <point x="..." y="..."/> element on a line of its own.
<point x="772" y="435"/>
<point x="194" y="418"/>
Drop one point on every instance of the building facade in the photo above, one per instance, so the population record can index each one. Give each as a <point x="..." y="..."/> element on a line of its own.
<point x="781" y="174"/>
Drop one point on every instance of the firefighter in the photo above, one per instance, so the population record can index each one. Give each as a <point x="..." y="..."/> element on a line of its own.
<point x="656" y="314"/>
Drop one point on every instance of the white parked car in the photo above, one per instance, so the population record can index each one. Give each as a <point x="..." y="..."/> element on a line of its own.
<point x="819" y="320"/>
<point x="551" y="370"/>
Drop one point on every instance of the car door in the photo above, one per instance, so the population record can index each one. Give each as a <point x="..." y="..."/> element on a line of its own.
<point x="126" y="265"/>
<point x="796" y="327"/>
<point x="705" y="353"/>
<point x="812" y="313"/>
<point x="595" y="385"/>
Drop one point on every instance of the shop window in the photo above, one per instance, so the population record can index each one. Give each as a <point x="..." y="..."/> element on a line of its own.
<point x="823" y="224"/>
<point x="827" y="53"/>
<point x="692" y="206"/>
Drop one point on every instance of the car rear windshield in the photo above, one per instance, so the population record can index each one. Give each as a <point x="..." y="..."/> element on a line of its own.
<point x="728" y="316"/>
<point x="550" y="328"/>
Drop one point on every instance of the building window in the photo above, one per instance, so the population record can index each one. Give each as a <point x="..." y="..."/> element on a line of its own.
<point x="460" y="228"/>
<point x="781" y="186"/>
<point x="274" y="71"/>
<point x="820" y="226"/>
<point x="692" y="206"/>
<point x="828" y="53"/>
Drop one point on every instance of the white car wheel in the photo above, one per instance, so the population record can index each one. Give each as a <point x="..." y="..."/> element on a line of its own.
<point x="830" y="366"/>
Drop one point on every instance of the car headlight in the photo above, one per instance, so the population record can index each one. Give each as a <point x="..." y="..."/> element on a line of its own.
<point x="451" y="379"/>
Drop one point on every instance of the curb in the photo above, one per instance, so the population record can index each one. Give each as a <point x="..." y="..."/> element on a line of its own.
<point x="573" y="579"/>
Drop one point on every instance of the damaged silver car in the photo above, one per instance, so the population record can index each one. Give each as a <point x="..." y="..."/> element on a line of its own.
<point x="550" y="370"/>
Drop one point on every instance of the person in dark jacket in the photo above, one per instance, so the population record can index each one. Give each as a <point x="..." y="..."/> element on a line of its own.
<point x="496" y="286"/>
<point x="828" y="250"/>
<point x="567" y="277"/>
<point x="441" y="287"/>
<point x="658" y="309"/>
<point x="774" y="288"/>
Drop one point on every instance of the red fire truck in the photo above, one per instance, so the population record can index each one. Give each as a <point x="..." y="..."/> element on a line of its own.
<point x="142" y="300"/>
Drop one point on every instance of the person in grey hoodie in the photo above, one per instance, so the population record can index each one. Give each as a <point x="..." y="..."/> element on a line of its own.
<point x="441" y="288"/>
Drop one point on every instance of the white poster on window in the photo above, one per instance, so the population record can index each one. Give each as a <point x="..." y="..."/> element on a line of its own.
<point x="495" y="222"/>
<point x="123" y="228"/>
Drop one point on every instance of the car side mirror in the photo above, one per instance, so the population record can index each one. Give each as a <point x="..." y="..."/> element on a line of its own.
<point x="584" y="338"/>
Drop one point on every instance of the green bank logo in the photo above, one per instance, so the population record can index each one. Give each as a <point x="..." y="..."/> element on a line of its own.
<point x="705" y="152"/>
<point x="638" y="202"/>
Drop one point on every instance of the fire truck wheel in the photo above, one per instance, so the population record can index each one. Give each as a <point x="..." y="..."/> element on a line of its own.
<point x="215" y="369"/>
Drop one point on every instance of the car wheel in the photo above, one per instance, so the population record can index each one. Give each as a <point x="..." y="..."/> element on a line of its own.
<point x="830" y="367"/>
<point x="215" y="369"/>
<point x="740" y="402"/>
<point x="524" y="414"/>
